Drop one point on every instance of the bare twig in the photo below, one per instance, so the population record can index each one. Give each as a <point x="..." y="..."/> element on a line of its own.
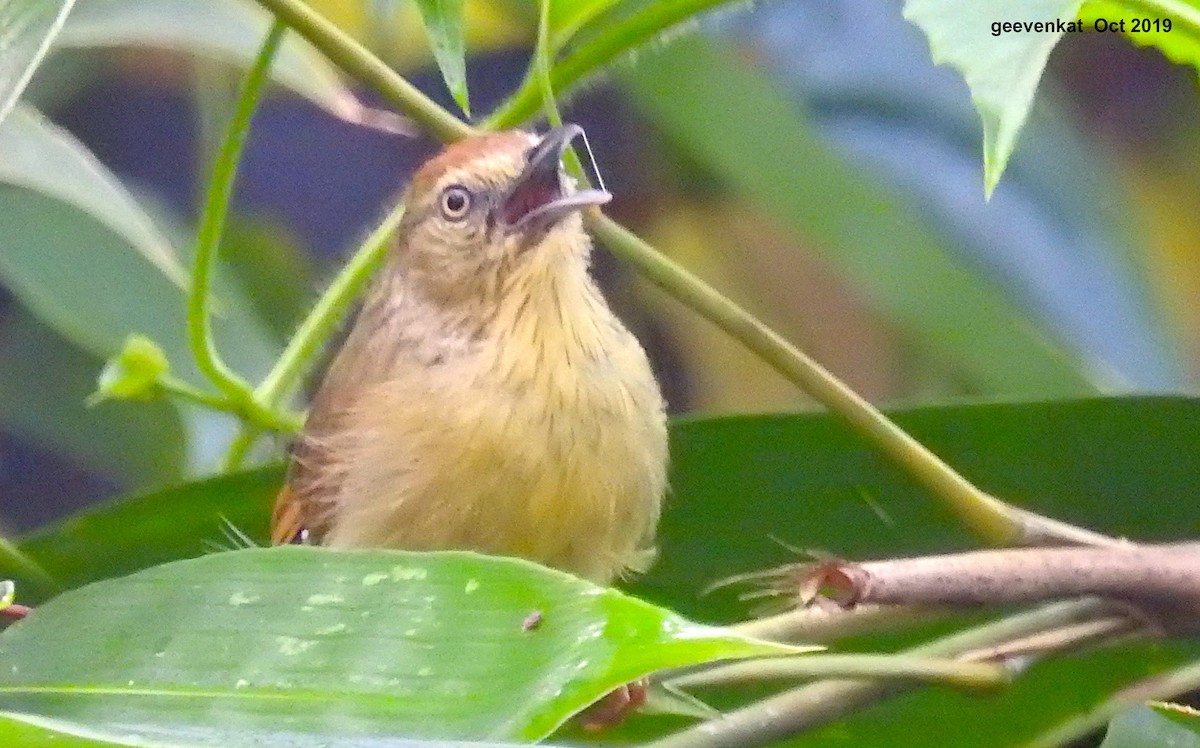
<point x="1060" y="640"/>
<point x="951" y="672"/>
<point x="1165" y="578"/>
<point x="824" y="624"/>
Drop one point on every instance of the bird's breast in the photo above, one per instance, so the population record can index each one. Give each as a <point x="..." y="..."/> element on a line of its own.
<point x="548" y="442"/>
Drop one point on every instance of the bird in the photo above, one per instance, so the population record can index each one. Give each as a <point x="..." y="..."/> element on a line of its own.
<point x="486" y="398"/>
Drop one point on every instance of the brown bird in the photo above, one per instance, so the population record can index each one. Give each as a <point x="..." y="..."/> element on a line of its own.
<point x="486" y="397"/>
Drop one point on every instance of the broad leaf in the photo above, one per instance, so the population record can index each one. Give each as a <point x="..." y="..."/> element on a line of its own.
<point x="443" y="21"/>
<point x="37" y="155"/>
<point x="224" y="30"/>
<point x="30" y="731"/>
<point x="27" y="27"/>
<point x="84" y="257"/>
<point x="301" y="640"/>
<point x="134" y="533"/>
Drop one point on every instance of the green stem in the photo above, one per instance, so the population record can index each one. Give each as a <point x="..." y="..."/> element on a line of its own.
<point x="1160" y="687"/>
<point x="184" y="391"/>
<point x="247" y="409"/>
<point x="990" y="518"/>
<point x="352" y="57"/>
<point x="328" y="312"/>
<point x="240" y="447"/>
<point x="16" y="563"/>
<point x="212" y="224"/>
<point x="792" y="712"/>
<point x="620" y="37"/>
<point x="972" y="675"/>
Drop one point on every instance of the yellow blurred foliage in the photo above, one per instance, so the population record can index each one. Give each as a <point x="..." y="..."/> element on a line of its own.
<point x="487" y="27"/>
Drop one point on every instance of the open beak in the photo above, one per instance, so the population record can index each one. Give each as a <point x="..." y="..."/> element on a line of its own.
<point x="541" y="195"/>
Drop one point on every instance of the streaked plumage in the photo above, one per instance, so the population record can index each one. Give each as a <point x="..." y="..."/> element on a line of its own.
<point x="486" y="397"/>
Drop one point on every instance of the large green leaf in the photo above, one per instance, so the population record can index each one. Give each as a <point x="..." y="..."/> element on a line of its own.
<point x="43" y="383"/>
<point x="299" y="640"/>
<point x="223" y="30"/>
<point x="804" y="479"/>
<point x="39" y="156"/>
<point x="84" y="257"/>
<point x="756" y="141"/>
<point x="743" y="487"/>
<point x="30" y="731"/>
<point x="27" y="27"/>
<point x="134" y="533"/>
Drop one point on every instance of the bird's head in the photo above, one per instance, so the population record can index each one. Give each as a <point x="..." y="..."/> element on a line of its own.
<point x="490" y="206"/>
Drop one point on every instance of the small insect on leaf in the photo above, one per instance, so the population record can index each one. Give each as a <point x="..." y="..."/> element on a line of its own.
<point x="532" y="621"/>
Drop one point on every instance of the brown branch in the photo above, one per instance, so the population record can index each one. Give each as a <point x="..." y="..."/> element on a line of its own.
<point x="825" y="624"/>
<point x="1162" y="579"/>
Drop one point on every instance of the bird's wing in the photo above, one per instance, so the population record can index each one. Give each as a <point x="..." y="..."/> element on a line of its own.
<point x="305" y="503"/>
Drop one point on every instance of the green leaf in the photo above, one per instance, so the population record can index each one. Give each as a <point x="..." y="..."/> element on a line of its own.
<point x="1002" y="70"/>
<point x="568" y="16"/>
<point x="629" y="26"/>
<point x="43" y="383"/>
<point x="223" y="30"/>
<point x="297" y="640"/>
<point x="37" y="155"/>
<point x="29" y="731"/>
<point x="84" y="257"/>
<point x="27" y="27"/>
<point x="743" y="487"/>
<point x="443" y="21"/>
<point x="133" y="533"/>
<point x="1180" y="45"/>
<point x="1143" y="727"/>
<point x="877" y="238"/>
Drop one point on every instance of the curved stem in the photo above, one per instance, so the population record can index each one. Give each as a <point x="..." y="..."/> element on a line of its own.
<point x="990" y="519"/>
<point x="957" y="673"/>
<point x="328" y="312"/>
<point x="352" y="57"/>
<point x="240" y="447"/>
<point x="247" y="409"/>
<point x="212" y="224"/>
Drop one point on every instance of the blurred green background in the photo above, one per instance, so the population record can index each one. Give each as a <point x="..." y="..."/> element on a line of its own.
<point x="808" y="159"/>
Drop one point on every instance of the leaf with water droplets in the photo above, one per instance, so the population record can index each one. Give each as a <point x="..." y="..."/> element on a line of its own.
<point x="308" y="642"/>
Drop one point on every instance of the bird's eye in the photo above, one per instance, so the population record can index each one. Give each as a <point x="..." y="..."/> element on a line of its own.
<point x="455" y="202"/>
